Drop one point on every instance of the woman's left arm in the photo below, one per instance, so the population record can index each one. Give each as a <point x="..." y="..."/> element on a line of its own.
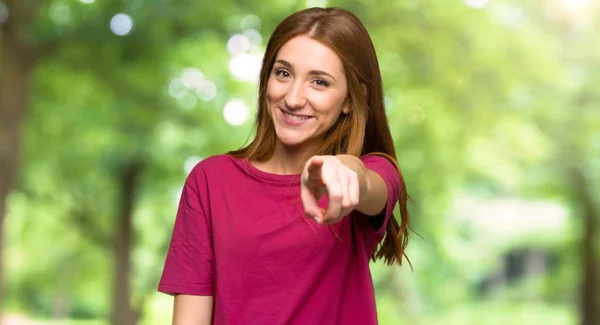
<point x="373" y="194"/>
<point x="348" y="183"/>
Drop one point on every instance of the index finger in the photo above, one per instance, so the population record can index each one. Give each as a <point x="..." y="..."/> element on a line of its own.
<point x="314" y="164"/>
<point x="334" y="195"/>
<point x="309" y="201"/>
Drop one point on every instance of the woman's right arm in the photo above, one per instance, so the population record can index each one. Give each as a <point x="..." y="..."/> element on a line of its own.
<point x="192" y="310"/>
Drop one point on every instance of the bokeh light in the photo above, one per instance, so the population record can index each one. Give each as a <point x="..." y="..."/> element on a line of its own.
<point x="190" y="163"/>
<point x="238" y="44"/>
<point x="254" y="36"/>
<point x="207" y="90"/>
<point x="250" y="22"/>
<point x="575" y="4"/>
<point x="177" y="89"/>
<point x="478" y="4"/>
<point x="316" y="3"/>
<point x="87" y="2"/>
<point x="236" y="112"/>
<point x="121" y="24"/>
<point x="188" y="102"/>
<point x="245" y="67"/>
<point x="510" y="16"/>
<point x="60" y="13"/>
<point x="192" y="78"/>
<point x="192" y="81"/>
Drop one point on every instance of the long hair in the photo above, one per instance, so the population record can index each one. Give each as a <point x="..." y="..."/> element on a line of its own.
<point x="344" y="33"/>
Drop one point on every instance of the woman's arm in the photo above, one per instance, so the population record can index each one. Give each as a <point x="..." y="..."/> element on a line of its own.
<point x="373" y="194"/>
<point x="192" y="310"/>
<point x="349" y="185"/>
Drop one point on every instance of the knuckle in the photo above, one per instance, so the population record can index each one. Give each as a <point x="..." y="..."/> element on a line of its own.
<point x="335" y="196"/>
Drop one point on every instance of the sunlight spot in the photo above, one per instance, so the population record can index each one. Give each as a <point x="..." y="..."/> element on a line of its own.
<point x="511" y="218"/>
<point x="389" y="104"/>
<point x="236" y="112"/>
<point x="478" y="4"/>
<point x="245" y="67"/>
<point x="190" y="163"/>
<point x="87" y="2"/>
<point x="188" y="102"/>
<point x="176" y="194"/>
<point x="238" y="44"/>
<point x="177" y="88"/>
<point x="254" y="36"/>
<point x="250" y="22"/>
<point x="121" y="24"/>
<point x="60" y="13"/>
<point x="17" y="319"/>
<point x="192" y="78"/>
<point x="207" y="90"/>
<point x="510" y="16"/>
<point x="316" y="3"/>
<point x="575" y="4"/>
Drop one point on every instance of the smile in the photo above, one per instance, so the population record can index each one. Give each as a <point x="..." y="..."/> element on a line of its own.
<point x="296" y="117"/>
<point x="293" y="118"/>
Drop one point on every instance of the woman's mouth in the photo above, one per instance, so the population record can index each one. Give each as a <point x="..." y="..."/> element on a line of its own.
<point x="294" y="119"/>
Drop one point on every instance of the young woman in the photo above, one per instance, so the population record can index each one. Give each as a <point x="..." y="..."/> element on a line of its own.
<point x="282" y="230"/>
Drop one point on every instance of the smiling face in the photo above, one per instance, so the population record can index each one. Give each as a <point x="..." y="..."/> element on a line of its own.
<point x="306" y="92"/>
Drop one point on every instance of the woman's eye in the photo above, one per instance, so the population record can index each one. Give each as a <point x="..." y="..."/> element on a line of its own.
<point x="321" y="83"/>
<point x="282" y="73"/>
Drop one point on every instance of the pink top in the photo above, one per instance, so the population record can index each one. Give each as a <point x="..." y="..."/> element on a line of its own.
<point x="241" y="236"/>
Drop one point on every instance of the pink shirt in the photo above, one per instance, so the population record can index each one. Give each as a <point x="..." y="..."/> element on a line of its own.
<point x="241" y="236"/>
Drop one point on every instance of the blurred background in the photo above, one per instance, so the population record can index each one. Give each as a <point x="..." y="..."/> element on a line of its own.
<point x="105" y="106"/>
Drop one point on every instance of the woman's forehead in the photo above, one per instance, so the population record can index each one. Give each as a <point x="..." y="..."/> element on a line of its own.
<point x="306" y="54"/>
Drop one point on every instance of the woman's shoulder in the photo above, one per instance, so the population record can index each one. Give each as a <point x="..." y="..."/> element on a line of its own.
<point x="220" y="163"/>
<point x="377" y="158"/>
<point x="221" y="168"/>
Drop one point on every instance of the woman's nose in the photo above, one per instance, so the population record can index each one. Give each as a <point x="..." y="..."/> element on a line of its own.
<point x="295" y="97"/>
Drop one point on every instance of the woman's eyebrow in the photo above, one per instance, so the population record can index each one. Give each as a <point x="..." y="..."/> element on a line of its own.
<point x="313" y="72"/>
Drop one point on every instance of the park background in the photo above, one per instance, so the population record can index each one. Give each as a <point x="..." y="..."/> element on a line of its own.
<point x="494" y="106"/>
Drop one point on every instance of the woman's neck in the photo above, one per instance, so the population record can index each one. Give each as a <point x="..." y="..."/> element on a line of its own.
<point x="287" y="160"/>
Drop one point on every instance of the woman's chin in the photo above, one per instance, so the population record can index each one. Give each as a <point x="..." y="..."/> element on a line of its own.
<point x="291" y="142"/>
<point x="296" y="139"/>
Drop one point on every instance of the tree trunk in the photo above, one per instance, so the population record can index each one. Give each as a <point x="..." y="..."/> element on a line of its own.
<point x="590" y="285"/>
<point x="17" y="59"/>
<point x="123" y="312"/>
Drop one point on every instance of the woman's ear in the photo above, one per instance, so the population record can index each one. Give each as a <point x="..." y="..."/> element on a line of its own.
<point x="347" y="105"/>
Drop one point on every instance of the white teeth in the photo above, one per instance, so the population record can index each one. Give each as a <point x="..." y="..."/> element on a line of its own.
<point x="295" y="117"/>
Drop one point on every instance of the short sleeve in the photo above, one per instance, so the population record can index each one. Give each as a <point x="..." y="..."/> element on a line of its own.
<point x="189" y="265"/>
<point x="386" y="169"/>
